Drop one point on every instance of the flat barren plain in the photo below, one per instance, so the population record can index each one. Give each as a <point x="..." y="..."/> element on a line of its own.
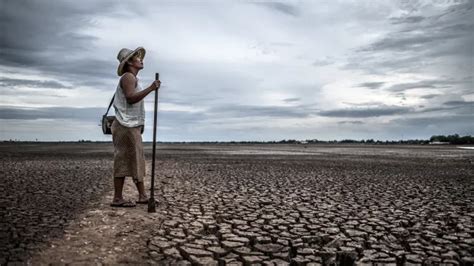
<point x="223" y="204"/>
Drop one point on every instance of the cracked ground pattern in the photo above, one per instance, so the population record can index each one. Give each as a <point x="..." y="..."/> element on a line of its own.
<point x="257" y="204"/>
<point x="331" y="210"/>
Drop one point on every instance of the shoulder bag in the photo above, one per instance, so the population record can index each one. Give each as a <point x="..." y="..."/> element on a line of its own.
<point x="108" y="120"/>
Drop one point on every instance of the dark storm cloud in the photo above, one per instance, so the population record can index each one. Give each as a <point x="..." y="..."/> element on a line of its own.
<point x="366" y="112"/>
<point x="417" y="37"/>
<point x="371" y="85"/>
<point x="419" y="41"/>
<point x="43" y="35"/>
<point x="451" y="107"/>
<point x="239" y="111"/>
<point x="50" y="84"/>
<point x="34" y="26"/>
<point x="460" y="103"/>
<point x="461" y="107"/>
<point x="88" y="114"/>
<point x="448" y="26"/>
<point x="415" y="43"/>
<point x="166" y="118"/>
<point x="281" y="7"/>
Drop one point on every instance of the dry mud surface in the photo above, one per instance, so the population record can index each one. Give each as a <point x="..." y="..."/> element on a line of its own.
<point x="241" y="205"/>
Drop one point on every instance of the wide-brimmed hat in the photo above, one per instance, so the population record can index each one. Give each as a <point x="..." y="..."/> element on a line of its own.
<point x="125" y="54"/>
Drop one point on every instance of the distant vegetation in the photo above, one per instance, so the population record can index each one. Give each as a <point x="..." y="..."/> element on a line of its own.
<point x="316" y="141"/>
<point x="450" y="139"/>
<point x="436" y="139"/>
<point x="453" y="139"/>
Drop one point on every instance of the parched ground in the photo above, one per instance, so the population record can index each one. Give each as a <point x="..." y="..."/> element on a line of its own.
<point x="241" y="204"/>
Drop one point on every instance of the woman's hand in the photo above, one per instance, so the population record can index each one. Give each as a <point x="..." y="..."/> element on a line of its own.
<point x="156" y="84"/>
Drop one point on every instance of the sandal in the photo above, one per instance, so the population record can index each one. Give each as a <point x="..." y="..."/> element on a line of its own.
<point x="145" y="201"/>
<point x="123" y="204"/>
<point x="141" y="202"/>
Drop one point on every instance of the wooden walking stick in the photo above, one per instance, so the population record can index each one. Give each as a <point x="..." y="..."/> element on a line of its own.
<point x="151" y="201"/>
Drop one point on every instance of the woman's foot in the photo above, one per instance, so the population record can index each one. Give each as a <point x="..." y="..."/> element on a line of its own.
<point x="142" y="199"/>
<point x="122" y="203"/>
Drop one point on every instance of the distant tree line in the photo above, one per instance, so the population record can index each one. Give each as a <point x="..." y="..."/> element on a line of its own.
<point x="453" y="139"/>
<point x="450" y="139"/>
<point x="372" y="141"/>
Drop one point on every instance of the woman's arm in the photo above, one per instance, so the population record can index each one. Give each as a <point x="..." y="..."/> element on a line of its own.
<point x="128" y="83"/>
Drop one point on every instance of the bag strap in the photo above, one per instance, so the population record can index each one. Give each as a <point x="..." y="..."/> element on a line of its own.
<point x="111" y="101"/>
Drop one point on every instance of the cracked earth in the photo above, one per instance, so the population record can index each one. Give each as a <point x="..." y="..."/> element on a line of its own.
<point x="254" y="205"/>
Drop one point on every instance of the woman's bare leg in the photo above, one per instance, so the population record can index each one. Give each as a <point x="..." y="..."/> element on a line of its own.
<point x="141" y="191"/>
<point x="118" y="189"/>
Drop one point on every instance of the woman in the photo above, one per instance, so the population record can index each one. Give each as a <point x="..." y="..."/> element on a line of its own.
<point x="129" y="159"/>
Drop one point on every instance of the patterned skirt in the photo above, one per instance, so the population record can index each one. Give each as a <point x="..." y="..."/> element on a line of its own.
<point x="129" y="159"/>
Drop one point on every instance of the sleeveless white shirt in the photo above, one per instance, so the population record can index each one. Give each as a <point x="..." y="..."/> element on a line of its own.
<point x="129" y="115"/>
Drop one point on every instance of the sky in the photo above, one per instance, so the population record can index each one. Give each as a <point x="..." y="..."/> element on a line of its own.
<point x="241" y="70"/>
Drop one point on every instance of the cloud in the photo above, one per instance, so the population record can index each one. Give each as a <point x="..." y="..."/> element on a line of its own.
<point x="459" y="103"/>
<point x="421" y="36"/>
<point x="407" y="19"/>
<point x="365" y="104"/>
<point x="447" y="124"/>
<point x="281" y="7"/>
<point x="430" y="96"/>
<point x="322" y="62"/>
<point x="33" y="93"/>
<point x="366" y="112"/>
<point x="253" y="111"/>
<point x="460" y="107"/>
<point x="290" y="100"/>
<point x="48" y="37"/>
<point x="371" y="85"/>
<point x="88" y="114"/>
<point x="50" y="84"/>
<point x="415" y="85"/>
<point x="428" y="84"/>
<point x="416" y="43"/>
<point x="355" y="122"/>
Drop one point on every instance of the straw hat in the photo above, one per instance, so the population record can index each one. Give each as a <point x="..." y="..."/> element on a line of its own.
<point x="125" y="54"/>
